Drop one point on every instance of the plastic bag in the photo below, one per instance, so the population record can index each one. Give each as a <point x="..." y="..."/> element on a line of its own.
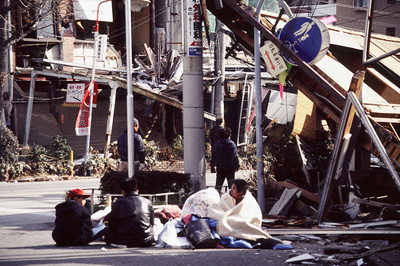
<point x="169" y="236"/>
<point x="199" y="234"/>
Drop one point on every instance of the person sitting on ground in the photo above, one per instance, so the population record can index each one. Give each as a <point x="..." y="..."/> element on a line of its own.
<point x="131" y="219"/>
<point x="73" y="225"/>
<point x="238" y="215"/>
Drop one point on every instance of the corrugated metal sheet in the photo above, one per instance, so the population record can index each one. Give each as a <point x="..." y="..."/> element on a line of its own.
<point x="380" y="44"/>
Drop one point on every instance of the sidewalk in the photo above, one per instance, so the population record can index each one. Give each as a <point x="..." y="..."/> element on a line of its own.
<point x="211" y="177"/>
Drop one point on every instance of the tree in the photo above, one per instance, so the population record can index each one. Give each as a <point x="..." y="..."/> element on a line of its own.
<point x="18" y="19"/>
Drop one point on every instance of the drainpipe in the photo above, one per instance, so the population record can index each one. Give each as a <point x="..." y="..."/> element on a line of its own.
<point x="259" y="115"/>
<point x="193" y="100"/>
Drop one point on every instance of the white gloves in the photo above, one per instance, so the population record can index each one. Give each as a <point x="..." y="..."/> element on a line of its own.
<point x="141" y="166"/>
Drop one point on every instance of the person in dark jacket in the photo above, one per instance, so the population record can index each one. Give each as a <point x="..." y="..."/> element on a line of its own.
<point x="225" y="157"/>
<point x="131" y="219"/>
<point x="73" y="225"/>
<point x="214" y="137"/>
<point x="139" y="153"/>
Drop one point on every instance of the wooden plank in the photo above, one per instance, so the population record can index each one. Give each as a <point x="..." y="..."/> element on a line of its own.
<point x="355" y="86"/>
<point x="304" y="193"/>
<point x="283" y="202"/>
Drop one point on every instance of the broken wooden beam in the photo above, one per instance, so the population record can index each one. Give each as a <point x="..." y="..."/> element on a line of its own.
<point x="304" y="193"/>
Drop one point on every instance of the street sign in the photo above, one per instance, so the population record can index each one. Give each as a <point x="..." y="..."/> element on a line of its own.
<point x="194" y="31"/>
<point x="75" y="93"/>
<point x="274" y="61"/>
<point x="308" y="38"/>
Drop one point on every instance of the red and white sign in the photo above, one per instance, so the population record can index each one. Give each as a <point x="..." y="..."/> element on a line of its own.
<point x="274" y="61"/>
<point x="76" y="91"/>
<point x="82" y="123"/>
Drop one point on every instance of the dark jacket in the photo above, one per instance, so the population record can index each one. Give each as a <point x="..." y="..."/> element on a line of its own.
<point x="214" y="134"/>
<point x="130" y="221"/>
<point x="225" y="155"/>
<point x="138" y="147"/>
<point x="73" y="224"/>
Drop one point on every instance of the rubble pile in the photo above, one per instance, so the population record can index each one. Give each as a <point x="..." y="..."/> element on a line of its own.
<point x="342" y="250"/>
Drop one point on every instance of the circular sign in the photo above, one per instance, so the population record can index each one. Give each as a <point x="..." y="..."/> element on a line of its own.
<point x="308" y="38"/>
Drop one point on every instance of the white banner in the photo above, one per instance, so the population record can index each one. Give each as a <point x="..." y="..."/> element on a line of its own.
<point x="87" y="10"/>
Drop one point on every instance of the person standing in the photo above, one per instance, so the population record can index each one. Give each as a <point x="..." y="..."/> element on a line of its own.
<point x="131" y="219"/>
<point x="225" y="158"/>
<point x="214" y="137"/>
<point x="139" y="152"/>
<point x="73" y="225"/>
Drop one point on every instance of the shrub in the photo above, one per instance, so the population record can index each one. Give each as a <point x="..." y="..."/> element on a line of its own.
<point x="9" y="146"/>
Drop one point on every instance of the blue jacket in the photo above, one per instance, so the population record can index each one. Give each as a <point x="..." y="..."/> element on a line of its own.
<point x="225" y="155"/>
<point x="138" y="147"/>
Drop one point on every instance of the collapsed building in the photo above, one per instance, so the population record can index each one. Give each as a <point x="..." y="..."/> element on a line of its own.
<point x="48" y="64"/>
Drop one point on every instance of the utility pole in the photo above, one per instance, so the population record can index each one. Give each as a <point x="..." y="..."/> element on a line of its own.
<point x="193" y="98"/>
<point x="220" y="71"/>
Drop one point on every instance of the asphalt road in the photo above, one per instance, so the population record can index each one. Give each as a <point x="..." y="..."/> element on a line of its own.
<point x="26" y="222"/>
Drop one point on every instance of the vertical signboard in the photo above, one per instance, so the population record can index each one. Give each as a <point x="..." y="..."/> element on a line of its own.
<point x="79" y="93"/>
<point x="272" y="58"/>
<point x="194" y="31"/>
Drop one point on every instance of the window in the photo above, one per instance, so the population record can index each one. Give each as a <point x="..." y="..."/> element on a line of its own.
<point x="360" y="3"/>
<point x="391" y="31"/>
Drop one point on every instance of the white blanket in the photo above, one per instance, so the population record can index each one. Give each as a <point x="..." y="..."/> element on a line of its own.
<point x="241" y="221"/>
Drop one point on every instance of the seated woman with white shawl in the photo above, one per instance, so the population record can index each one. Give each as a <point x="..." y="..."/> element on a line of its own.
<point x="238" y="215"/>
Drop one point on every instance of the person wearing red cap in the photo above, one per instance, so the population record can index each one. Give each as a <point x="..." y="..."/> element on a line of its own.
<point x="73" y="225"/>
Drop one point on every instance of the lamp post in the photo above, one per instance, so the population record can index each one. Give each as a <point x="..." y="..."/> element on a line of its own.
<point x="92" y="80"/>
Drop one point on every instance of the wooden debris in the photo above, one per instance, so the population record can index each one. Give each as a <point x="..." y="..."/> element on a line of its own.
<point x="304" y="193"/>
<point x="373" y="224"/>
<point x="285" y="201"/>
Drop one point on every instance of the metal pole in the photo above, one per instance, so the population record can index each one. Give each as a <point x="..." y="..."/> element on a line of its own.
<point x="286" y="8"/>
<point x="110" y="118"/>
<point x="374" y="136"/>
<point x="129" y="96"/>
<point x="91" y="86"/>
<point x="30" y="107"/>
<point x="367" y="31"/>
<point x="220" y="71"/>
<point x="259" y="115"/>
<point x="92" y="81"/>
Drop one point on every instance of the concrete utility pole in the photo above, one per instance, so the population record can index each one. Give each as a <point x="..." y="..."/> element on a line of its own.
<point x="220" y="71"/>
<point x="193" y="98"/>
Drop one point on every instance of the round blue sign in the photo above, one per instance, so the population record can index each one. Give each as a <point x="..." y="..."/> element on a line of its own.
<point x="307" y="38"/>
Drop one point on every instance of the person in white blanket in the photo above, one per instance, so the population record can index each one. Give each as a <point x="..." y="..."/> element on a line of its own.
<point x="238" y="215"/>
